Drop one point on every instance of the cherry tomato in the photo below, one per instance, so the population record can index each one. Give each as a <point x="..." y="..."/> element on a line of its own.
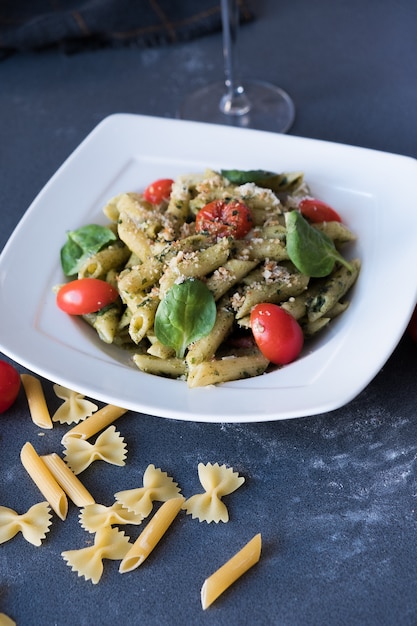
<point x="158" y="191"/>
<point x="278" y="335"/>
<point x="9" y="385"/>
<point x="85" y="295"/>
<point x="224" y="219"/>
<point x="318" y="211"/>
<point x="412" y="325"/>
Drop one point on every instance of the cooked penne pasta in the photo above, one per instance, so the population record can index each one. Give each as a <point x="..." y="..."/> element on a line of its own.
<point x="237" y="233"/>
<point x="151" y="535"/>
<point x="333" y="288"/>
<point x="66" y="478"/>
<point x="229" y="573"/>
<point x="102" y="262"/>
<point x="171" y="367"/>
<point x="206" y="347"/>
<point x="38" y="408"/>
<point x="226" y="369"/>
<point x="44" y="480"/>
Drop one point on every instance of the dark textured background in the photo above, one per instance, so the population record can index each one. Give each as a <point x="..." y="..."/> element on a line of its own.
<point x="334" y="495"/>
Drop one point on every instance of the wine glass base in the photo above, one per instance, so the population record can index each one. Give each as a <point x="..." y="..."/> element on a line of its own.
<point x="271" y="107"/>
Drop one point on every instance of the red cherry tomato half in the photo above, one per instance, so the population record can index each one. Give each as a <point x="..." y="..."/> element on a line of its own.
<point x="278" y="335"/>
<point x="9" y="385"/>
<point x="224" y="219"/>
<point x="318" y="211"/>
<point x="412" y="325"/>
<point x="158" y="191"/>
<point x="85" y="295"/>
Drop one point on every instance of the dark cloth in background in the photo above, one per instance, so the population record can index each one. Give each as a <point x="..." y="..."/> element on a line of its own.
<point x="76" y="25"/>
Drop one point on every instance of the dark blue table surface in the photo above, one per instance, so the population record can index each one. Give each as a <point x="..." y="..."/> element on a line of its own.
<point x="333" y="495"/>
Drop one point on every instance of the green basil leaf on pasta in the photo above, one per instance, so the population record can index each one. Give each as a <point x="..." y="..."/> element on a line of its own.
<point x="312" y="252"/>
<point x="262" y="178"/>
<point x="82" y="244"/>
<point x="186" y="314"/>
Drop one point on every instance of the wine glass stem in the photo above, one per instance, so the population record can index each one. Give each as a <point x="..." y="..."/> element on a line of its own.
<point x="235" y="100"/>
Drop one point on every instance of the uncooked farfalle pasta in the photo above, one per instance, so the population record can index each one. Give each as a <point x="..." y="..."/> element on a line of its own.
<point x="75" y="407"/>
<point x="157" y="485"/>
<point x="109" y="447"/>
<point x="109" y="543"/>
<point x="218" y="481"/>
<point x="34" y="524"/>
<point x="95" y="516"/>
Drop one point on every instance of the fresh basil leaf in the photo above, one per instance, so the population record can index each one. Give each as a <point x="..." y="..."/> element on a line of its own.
<point x="262" y="178"/>
<point x="187" y="313"/>
<point x="83" y="243"/>
<point x="312" y="252"/>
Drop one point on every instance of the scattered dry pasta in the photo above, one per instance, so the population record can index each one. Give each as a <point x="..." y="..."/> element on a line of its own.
<point x="44" y="480"/>
<point x="108" y="447"/>
<point x="5" y="620"/>
<point x="157" y="485"/>
<point x="56" y="479"/>
<point x="151" y="535"/>
<point x="218" y="481"/>
<point x="66" y="479"/>
<point x="95" y="516"/>
<point x="95" y="423"/>
<point x="75" y="407"/>
<point x="226" y="575"/>
<point x="109" y="543"/>
<point x="36" y="399"/>
<point x="34" y="524"/>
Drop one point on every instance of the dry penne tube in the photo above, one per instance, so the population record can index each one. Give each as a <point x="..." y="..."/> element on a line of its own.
<point x="6" y="621"/>
<point x="152" y="534"/>
<point x="36" y="399"/>
<point x="93" y="424"/>
<point x="228" y="573"/>
<point x="69" y="482"/>
<point x="44" y="480"/>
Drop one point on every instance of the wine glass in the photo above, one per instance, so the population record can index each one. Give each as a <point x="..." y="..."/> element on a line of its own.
<point x="248" y="104"/>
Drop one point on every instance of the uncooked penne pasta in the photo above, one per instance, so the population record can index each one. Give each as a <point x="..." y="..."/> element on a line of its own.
<point x="226" y="575"/>
<point x="69" y="482"/>
<point x="92" y="425"/>
<point x="152" y="534"/>
<point x="36" y="399"/>
<point x="44" y="480"/>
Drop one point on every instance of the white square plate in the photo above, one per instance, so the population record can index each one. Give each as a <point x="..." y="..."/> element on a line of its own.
<point x="373" y="191"/>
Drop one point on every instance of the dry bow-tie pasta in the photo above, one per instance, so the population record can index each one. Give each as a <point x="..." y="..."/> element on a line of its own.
<point x="109" y="543"/>
<point x="109" y="447"/>
<point x="95" y="516"/>
<point x="218" y="481"/>
<point x="34" y="524"/>
<point x="157" y="485"/>
<point x="75" y="407"/>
